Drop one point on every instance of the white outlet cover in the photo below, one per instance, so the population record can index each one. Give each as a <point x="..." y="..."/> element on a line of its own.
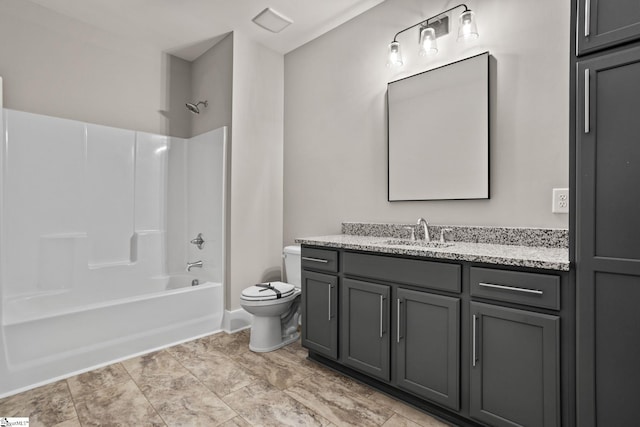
<point x="560" y="201"/>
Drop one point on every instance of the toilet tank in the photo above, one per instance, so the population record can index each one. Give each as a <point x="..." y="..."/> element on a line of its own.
<point x="291" y="255"/>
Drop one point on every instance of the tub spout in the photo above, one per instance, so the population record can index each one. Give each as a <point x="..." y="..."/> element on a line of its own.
<point x="190" y="265"/>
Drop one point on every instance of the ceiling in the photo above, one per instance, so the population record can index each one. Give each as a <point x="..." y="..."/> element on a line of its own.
<point x="187" y="28"/>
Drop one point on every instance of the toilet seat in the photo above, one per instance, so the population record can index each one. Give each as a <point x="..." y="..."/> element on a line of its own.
<point x="267" y="291"/>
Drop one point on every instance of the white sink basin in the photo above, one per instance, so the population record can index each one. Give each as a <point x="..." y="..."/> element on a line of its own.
<point x="418" y="243"/>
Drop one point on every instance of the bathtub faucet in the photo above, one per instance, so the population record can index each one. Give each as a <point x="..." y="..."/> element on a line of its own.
<point x="190" y="265"/>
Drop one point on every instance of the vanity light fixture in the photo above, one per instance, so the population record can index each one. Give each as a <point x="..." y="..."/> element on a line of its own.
<point x="395" y="56"/>
<point x="467" y="29"/>
<point x="428" y="43"/>
<point x="430" y="30"/>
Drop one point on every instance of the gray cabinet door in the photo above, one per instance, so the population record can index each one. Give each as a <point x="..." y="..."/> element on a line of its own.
<point x="608" y="239"/>
<point x="428" y="340"/>
<point x="606" y="23"/>
<point x="514" y="367"/>
<point x="319" y="313"/>
<point x="365" y="327"/>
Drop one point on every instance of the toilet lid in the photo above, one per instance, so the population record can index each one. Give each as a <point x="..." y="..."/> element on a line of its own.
<point x="267" y="291"/>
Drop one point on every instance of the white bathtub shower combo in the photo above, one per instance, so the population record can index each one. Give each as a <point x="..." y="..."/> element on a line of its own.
<point x="95" y="231"/>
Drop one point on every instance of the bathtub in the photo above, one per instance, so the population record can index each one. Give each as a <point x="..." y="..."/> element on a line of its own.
<point x="48" y="337"/>
<point x="86" y="244"/>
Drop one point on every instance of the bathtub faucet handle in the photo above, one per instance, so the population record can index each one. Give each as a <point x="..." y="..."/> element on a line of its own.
<point x="198" y="241"/>
<point x="190" y="265"/>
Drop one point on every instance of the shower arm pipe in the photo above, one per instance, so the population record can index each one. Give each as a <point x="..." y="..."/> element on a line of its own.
<point x="426" y="22"/>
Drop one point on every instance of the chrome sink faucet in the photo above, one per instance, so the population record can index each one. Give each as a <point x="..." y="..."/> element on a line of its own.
<point x="190" y="265"/>
<point x="425" y="225"/>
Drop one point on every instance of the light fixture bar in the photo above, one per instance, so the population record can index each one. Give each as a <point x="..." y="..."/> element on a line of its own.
<point x="425" y="23"/>
<point x="440" y="26"/>
<point x="430" y="30"/>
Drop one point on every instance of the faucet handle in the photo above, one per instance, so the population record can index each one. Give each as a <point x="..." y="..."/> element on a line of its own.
<point x="442" y="236"/>
<point x="198" y="241"/>
<point x="413" y="232"/>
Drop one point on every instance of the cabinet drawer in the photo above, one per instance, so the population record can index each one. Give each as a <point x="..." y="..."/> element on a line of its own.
<point x="606" y="23"/>
<point x="428" y="274"/>
<point x="320" y="259"/>
<point x="537" y="290"/>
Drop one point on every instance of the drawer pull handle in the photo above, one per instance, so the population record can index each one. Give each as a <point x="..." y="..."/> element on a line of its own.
<point x="329" y="300"/>
<point x="473" y="333"/>
<point x="587" y="95"/>
<point x="381" y="313"/>
<point x="587" y="17"/>
<point x="511" y="288"/>
<point x="323" y="261"/>
<point x="398" y="322"/>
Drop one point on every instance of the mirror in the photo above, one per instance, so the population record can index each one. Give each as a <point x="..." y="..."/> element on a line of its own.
<point x="439" y="133"/>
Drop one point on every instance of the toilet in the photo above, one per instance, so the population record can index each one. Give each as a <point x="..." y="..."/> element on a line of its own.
<point x="275" y="307"/>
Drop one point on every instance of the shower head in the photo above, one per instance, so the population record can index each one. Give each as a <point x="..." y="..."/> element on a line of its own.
<point x="194" y="107"/>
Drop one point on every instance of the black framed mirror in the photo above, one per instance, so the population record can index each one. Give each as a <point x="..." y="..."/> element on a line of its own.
<point x="438" y="124"/>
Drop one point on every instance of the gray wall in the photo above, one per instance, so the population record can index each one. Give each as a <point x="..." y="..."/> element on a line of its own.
<point x="256" y="199"/>
<point x="335" y="151"/>
<point x="211" y="80"/>
<point x="62" y="67"/>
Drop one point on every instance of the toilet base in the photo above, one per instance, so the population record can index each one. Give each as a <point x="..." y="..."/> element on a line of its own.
<point x="266" y="335"/>
<point x="288" y="341"/>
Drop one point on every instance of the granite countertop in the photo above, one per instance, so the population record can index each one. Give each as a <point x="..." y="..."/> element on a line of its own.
<point x="549" y="258"/>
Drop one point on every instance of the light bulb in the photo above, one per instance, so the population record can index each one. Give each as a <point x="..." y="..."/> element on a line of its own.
<point x="428" y="43"/>
<point x="467" y="29"/>
<point x="395" y="56"/>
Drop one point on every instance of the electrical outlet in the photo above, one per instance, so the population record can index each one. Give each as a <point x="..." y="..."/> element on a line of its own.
<point x="560" y="200"/>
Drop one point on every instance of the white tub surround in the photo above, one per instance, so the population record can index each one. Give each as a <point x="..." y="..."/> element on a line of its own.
<point x="95" y="242"/>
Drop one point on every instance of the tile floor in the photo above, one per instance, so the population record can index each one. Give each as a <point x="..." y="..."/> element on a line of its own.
<point x="213" y="381"/>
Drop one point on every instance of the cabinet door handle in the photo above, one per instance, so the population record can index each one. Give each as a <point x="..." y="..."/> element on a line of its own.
<point x="473" y="342"/>
<point x="511" y="288"/>
<point x="398" y="322"/>
<point x="381" y="312"/>
<point x="587" y="17"/>
<point x="587" y="95"/>
<point x="330" y="300"/>
<point x="323" y="261"/>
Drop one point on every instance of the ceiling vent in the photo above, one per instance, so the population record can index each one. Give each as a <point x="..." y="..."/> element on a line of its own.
<point x="271" y="20"/>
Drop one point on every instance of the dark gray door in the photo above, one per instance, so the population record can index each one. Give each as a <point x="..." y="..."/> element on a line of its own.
<point x="514" y="367"/>
<point x="319" y="313"/>
<point x="365" y="323"/>
<point x="608" y="239"/>
<point x="605" y="23"/>
<point x="428" y="340"/>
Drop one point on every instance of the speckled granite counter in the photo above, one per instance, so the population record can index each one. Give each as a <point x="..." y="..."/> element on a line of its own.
<point x="549" y="258"/>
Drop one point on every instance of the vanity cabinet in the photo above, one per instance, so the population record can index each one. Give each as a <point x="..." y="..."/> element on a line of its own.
<point x="606" y="173"/>
<point x="515" y="353"/>
<point x="428" y="346"/>
<point x="365" y="319"/>
<point x="515" y="363"/>
<point x="475" y="345"/>
<point x="424" y="327"/>
<point x="319" y="306"/>
<point x="606" y="23"/>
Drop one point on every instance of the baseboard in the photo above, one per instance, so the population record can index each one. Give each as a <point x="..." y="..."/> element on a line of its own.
<point x="236" y="320"/>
